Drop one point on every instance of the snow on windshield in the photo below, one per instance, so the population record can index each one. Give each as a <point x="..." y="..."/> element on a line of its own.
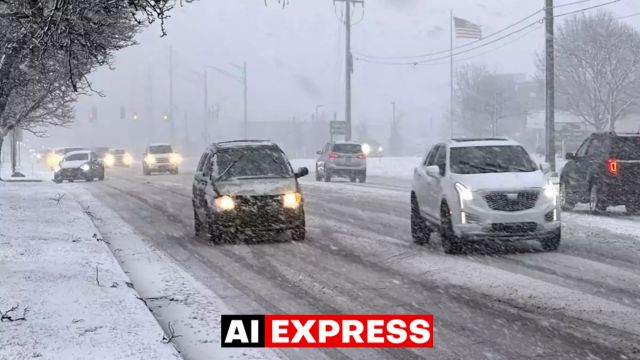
<point x="490" y="159"/>
<point x="265" y="162"/>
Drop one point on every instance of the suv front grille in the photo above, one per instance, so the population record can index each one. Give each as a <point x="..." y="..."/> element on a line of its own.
<point x="511" y="200"/>
<point x="514" y="228"/>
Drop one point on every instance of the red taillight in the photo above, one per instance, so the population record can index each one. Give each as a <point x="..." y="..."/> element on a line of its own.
<point x="362" y="156"/>
<point x="612" y="166"/>
<point x="333" y="155"/>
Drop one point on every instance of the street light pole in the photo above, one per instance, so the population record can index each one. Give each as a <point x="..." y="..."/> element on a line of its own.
<point x="550" y="88"/>
<point x="207" y="139"/>
<point x="316" y="112"/>
<point x="246" y="115"/>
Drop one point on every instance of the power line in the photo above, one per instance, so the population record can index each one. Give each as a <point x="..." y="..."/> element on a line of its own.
<point x="585" y="9"/>
<point x="571" y="3"/>
<point x="457" y="47"/>
<point x="419" y="62"/>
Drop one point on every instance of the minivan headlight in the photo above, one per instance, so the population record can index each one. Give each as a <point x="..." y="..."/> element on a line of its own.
<point x="292" y="200"/>
<point x="464" y="193"/>
<point x="224" y="202"/>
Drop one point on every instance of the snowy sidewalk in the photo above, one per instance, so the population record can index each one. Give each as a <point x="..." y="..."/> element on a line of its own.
<point x="61" y="277"/>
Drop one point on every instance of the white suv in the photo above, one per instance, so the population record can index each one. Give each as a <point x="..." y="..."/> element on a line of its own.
<point x="475" y="189"/>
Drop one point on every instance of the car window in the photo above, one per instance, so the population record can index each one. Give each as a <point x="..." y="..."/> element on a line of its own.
<point x="202" y="161"/>
<point x="582" y="150"/>
<point x="491" y="159"/>
<point x="440" y="159"/>
<point x="626" y="148"/>
<point x="77" y="157"/>
<point x="160" y="149"/>
<point x="429" y="155"/>
<point x="431" y="158"/>
<point x="596" y="147"/>
<point x="347" y="148"/>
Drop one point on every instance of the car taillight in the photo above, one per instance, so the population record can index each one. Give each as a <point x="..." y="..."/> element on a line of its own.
<point x="612" y="166"/>
<point x="333" y="155"/>
<point x="362" y="156"/>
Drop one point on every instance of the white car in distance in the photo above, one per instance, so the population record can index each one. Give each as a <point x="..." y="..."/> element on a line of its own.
<point x="479" y="189"/>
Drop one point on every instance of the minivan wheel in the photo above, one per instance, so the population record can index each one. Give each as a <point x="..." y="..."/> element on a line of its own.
<point x="420" y="232"/>
<point x="451" y="243"/>
<point x="566" y="201"/>
<point x="596" y="204"/>
<point x="551" y="243"/>
<point x="197" y="224"/>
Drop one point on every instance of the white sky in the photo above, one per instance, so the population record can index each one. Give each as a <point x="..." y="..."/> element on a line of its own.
<point x="295" y="59"/>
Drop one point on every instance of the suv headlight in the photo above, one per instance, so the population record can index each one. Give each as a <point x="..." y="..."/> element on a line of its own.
<point x="127" y="159"/>
<point x="550" y="191"/>
<point x="464" y="193"/>
<point x="224" y="202"/>
<point x="175" y="159"/>
<point x="85" y="167"/>
<point x="292" y="200"/>
<point x="109" y="160"/>
<point x="150" y="159"/>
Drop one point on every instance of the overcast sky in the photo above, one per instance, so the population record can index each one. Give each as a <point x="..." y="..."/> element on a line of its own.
<point x="295" y="60"/>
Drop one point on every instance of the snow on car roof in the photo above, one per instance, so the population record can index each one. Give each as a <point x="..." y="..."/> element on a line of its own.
<point x="160" y="144"/>
<point x="78" y="152"/>
<point x="244" y="143"/>
<point x="473" y="142"/>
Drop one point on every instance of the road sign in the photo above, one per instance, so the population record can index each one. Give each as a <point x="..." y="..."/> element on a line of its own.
<point x="338" y="130"/>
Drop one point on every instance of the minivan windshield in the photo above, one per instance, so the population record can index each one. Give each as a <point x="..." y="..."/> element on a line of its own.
<point x="251" y="163"/>
<point x="77" y="157"/>
<point x="490" y="159"/>
<point x="626" y="148"/>
<point x="160" y="149"/>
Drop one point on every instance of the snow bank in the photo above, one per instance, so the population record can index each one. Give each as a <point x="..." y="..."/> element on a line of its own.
<point x="54" y="264"/>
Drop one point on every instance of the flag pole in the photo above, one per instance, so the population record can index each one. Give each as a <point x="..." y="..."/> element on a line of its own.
<point x="451" y="69"/>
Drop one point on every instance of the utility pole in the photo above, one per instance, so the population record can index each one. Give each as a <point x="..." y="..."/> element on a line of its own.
<point x="317" y="116"/>
<point x="393" y="105"/>
<point x="246" y="115"/>
<point x="451" y="71"/>
<point x="550" y="88"/>
<point x="348" y="64"/>
<point x="171" y="120"/>
<point x="205" y="114"/>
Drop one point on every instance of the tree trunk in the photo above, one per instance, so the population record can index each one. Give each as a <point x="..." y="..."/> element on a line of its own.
<point x="1" y="141"/>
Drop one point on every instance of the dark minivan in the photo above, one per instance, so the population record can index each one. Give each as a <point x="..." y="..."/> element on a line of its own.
<point x="248" y="187"/>
<point x="604" y="171"/>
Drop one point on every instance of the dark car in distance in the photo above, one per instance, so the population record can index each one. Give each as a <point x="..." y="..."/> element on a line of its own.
<point x="247" y="187"/>
<point x="604" y="171"/>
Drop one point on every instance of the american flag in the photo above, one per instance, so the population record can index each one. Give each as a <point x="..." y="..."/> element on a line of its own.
<point x="467" y="29"/>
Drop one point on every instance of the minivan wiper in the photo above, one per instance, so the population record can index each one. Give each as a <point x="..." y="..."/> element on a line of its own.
<point x="230" y="166"/>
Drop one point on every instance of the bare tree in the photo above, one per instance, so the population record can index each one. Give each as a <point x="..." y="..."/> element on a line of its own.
<point x="597" y="68"/>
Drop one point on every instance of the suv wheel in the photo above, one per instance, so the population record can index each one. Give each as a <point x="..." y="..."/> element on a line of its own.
<point x="567" y="202"/>
<point x="298" y="234"/>
<point x="318" y="177"/>
<point x="451" y="243"/>
<point x="353" y="178"/>
<point x="363" y="177"/>
<point x="420" y="232"/>
<point x="216" y="233"/>
<point x="551" y="243"/>
<point x="596" y="204"/>
<point x="327" y="175"/>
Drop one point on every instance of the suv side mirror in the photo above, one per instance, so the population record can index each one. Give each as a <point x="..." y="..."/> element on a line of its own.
<point x="303" y="171"/>
<point x="570" y="156"/>
<point x="433" y="170"/>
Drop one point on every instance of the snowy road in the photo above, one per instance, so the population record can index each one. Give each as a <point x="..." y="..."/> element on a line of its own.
<point x="495" y="302"/>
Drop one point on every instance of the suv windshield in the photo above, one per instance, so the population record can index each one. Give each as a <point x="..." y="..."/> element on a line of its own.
<point x="160" y="149"/>
<point x="77" y="157"/>
<point x="253" y="162"/>
<point x="117" y="152"/>
<point x="347" y="148"/>
<point x="490" y="159"/>
<point x="626" y="148"/>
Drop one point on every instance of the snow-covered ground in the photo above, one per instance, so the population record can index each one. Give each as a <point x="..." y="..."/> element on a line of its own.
<point x="31" y="171"/>
<point x="59" y="274"/>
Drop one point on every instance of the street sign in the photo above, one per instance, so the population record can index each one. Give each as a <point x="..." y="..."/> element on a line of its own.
<point x="338" y="130"/>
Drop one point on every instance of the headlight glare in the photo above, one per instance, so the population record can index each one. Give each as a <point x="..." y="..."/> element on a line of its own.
<point x="56" y="169"/>
<point x="85" y="167"/>
<point x="366" y="148"/>
<point x="150" y="159"/>
<point x="225" y="202"/>
<point x="127" y="159"/>
<point x="109" y="160"/>
<point x="175" y="159"/>
<point x="292" y="200"/>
